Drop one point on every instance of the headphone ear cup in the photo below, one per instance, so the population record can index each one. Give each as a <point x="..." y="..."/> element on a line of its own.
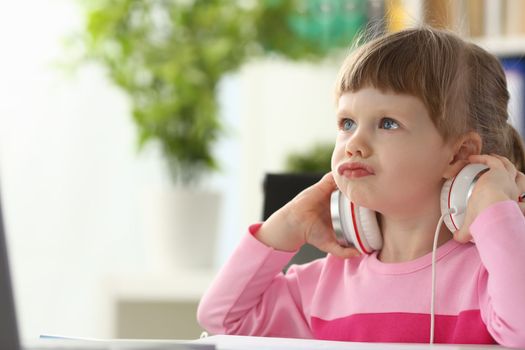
<point x="456" y="192"/>
<point x="370" y="235"/>
<point x="445" y="205"/>
<point x="354" y="225"/>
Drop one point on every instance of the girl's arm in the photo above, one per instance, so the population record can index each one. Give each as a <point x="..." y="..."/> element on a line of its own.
<point x="499" y="234"/>
<point x="251" y="296"/>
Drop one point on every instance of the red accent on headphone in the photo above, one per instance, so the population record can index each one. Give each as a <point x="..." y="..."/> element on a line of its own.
<point x="358" y="235"/>
<point x="449" y="192"/>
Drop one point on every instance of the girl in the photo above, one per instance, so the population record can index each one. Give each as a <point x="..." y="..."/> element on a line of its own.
<point x="413" y="108"/>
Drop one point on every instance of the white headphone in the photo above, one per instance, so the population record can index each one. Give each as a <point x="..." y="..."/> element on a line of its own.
<point x="357" y="226"/>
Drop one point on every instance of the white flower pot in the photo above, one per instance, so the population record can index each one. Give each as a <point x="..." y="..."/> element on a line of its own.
<point x="181" y="228"/>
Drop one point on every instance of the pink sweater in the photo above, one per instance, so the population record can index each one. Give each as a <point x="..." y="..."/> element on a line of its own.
<point x="480" y="292"/>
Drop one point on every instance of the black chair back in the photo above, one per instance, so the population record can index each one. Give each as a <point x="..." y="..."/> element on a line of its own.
<point x="279" y="189"/>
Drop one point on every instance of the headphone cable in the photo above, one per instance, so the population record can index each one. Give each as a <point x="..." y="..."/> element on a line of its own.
<point x="433" y="293"/>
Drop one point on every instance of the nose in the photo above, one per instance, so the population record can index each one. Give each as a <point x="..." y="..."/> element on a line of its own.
<point x="358" y="145"/>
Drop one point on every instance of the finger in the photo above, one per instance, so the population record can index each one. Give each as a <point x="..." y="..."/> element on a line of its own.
<point x="495" y="162"/>
<point x="462" y="236"/>
<point x="328" y="179"/>
<point x="505" y="160"/>
<point x="342" y="252"/>
<point x="511" y="168"/>
<point x="489" y="160"/>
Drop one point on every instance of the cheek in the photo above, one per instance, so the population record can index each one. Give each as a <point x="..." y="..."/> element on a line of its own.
<point x="333" y="161"/>
<point x="337" y="156"/>
<point x="408" y="154"/>
<point x="412" y="176"/>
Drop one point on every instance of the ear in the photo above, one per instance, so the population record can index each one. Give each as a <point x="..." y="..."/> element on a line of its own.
<point x="468" y="144"/>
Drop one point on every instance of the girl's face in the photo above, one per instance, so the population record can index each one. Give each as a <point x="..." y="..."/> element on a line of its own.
<point x="388" y="156"/>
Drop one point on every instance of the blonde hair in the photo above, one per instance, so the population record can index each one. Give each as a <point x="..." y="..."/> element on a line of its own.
<point x="462" y="86"/>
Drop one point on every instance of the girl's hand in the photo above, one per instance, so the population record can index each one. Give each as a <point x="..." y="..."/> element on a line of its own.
<point x="305" y="219"/>
<point x="501" y="182"/>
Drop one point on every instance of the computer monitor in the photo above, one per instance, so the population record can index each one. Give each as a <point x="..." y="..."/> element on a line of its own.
<point x="9" y="337"/>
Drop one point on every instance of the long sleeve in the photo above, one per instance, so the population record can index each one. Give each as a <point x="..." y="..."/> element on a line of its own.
<point x="251" y="296"/>
<point x="364" y="299"/>
<point x="499" y="234"/>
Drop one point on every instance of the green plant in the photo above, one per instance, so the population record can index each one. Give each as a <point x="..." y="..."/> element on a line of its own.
<point x="315" y="160"/>
<point x="169" y="56"/>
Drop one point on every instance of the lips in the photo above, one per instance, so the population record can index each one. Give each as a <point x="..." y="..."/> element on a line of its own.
<point x="354" y="170"/>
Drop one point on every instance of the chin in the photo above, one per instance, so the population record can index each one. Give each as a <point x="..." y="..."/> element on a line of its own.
<point x="339" y="181"/>
<point x="356" y="195"/>
<point x="365" y="198"/>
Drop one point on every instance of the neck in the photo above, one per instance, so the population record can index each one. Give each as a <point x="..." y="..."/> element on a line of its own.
<point x="406" y="239"/>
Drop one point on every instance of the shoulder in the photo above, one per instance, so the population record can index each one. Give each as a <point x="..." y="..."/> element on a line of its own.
<point x="327" y="266"/>
<point x="462" y="261"/>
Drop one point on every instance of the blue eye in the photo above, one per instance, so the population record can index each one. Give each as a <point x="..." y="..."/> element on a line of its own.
<point x="347" y="124"/>
<point x="389" y="124"/>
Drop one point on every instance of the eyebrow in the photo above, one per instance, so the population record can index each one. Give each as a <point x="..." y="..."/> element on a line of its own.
<point x="341" y="112"/>
<point x="396" y="114"/>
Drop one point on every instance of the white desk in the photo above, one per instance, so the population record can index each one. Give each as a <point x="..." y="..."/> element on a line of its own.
<point x="232" y="342"/>
<point x="229" y="342"/>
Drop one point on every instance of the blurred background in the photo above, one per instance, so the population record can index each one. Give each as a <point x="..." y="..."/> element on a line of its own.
<point x="135" y="136"/>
